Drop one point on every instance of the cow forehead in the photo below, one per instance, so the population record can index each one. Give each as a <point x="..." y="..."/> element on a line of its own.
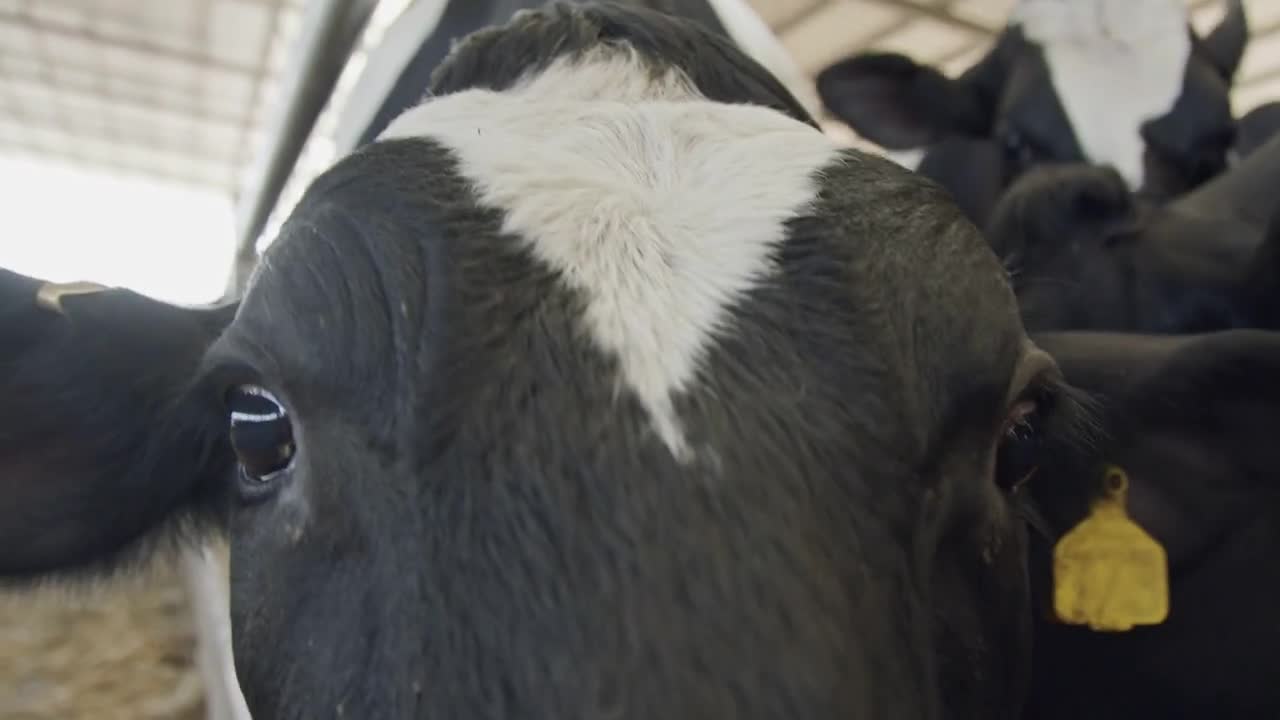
<point x="662" y="209"/>
<point x="666" y="218"/>
<point x="1084" y="41"/>
<point x="666" y="222"/>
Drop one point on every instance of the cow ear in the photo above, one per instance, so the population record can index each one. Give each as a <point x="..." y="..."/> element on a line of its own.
<point x="1225" y="44"/>
<point x="1189" y="419"/>
<point x="104" y="435"/>
<point x="899" y="104"/>
<point x="1197" y="438"/>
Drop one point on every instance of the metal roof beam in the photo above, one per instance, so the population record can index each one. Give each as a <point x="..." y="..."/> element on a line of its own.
<point x="72" y="136"/>
<point x="259" y="82"/>
<point x="39" y="65"/>
<point x="60" y="152"/>
<point x="330" y="32"/>
<point x="87" y="91"/>
<point x="139" y="47"/>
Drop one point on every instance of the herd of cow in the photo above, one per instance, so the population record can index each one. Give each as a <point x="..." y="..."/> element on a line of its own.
<point x="604" y="384"/>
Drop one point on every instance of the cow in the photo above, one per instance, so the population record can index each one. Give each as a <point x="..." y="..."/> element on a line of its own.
<point x="1124" y="83"/>
<point x="399" y="69"/>
<point x="1188" y="418"/>
<point x="1256" y="127"/>
<point x="603" y="383"/>
<point x="395" y="78"/>
<point x="1087" y="254"/>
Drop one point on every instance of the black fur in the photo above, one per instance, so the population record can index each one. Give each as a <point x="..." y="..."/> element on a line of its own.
<point x="1004" y="116"/>
<point x="1086" y="254"/>
<point x="1189" y="418"/>
<point x="478" y="522"/>
<point x="496" y="58"/>
<point x="461" y="17"/>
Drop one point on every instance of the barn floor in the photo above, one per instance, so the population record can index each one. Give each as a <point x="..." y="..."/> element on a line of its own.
<point x="124" y="651"/>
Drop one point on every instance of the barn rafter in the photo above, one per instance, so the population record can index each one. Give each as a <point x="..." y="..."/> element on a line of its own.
<point x="242" y="97"/>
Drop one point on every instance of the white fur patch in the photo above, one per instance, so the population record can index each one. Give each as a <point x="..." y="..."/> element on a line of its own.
<point x="1115" y="64"/>
<point x="660" y="207"/>
<point x="754" y="36"/>
<point x="205" y="571"/>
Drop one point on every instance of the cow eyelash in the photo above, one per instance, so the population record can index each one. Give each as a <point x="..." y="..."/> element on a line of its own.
<point x="262" y="437"/>
<point x="1022" y="435"/>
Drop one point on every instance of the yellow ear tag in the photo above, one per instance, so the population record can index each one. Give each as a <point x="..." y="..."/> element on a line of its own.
<point x="1108" y="573"/>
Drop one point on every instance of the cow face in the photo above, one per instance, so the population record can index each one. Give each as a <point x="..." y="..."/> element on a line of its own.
<point x="1188" y="418"/>
<point x="581" y="393"/>
<point x="1085" y="254"/>
<point x="1113" y="82"/>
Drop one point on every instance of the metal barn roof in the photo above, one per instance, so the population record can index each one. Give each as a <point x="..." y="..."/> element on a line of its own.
<point x="170" y="88"/>
<point x="185" y="89"/>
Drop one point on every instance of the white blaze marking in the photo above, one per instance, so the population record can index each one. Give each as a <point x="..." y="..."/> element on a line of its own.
<point x="663" y="209"/>
<point x="1115" y="64"/>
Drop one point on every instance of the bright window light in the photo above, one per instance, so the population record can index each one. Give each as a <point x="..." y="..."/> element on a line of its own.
<point x="64" y="223"/>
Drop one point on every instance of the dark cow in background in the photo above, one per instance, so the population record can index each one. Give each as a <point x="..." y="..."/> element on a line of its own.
<point x="1183" y="415"/>
<point x="1190" y="419"/>
<point x="1086" y="254"/>
<point x="603" y="384"/>
<point x="1124" y="83"/>
<point x="1256" y="127"/>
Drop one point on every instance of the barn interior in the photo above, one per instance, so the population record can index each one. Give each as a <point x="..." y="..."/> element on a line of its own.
<point x="159" y="144"/>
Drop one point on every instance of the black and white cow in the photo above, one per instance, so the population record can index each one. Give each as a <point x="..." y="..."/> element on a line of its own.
<point x="602" y="384"/>
<point x="1190" y="420"/>
<point x="398" y="74"/>
<point x="399" y="69"/>
<point x="1124" y="83"/>
<point x="1086" y="254"/>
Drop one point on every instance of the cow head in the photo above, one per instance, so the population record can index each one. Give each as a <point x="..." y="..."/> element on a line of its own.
<point x="1189" y="419"/>
<point x="1115" y="82"/>
<point x="1086" y="254"/>
<point x="592" y="388"/>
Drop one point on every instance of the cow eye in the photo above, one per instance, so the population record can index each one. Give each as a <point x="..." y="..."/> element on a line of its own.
<point x="261" y="433"/>
<point x="1021" y="439"/>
